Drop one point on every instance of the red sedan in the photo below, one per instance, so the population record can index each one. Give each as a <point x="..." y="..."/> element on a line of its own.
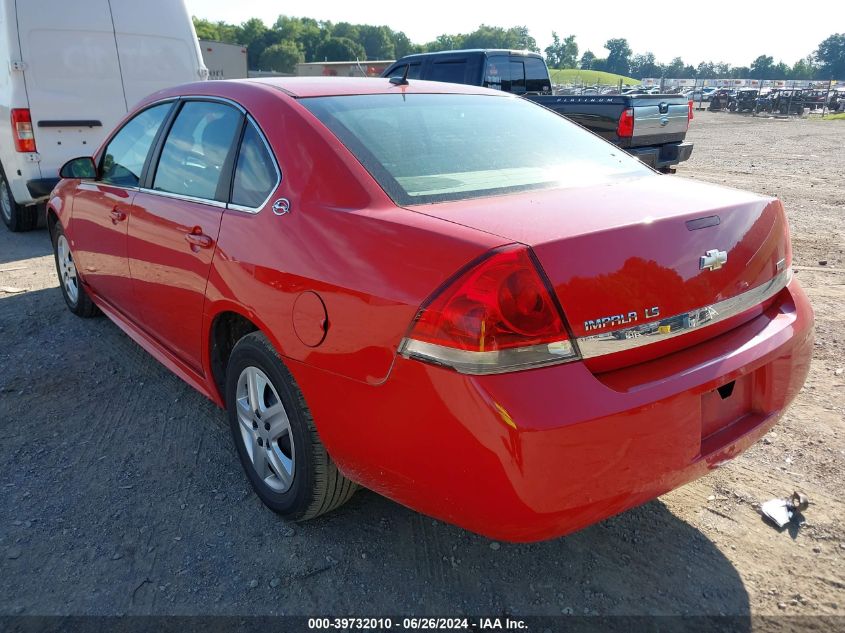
<point x="449" y="295"/>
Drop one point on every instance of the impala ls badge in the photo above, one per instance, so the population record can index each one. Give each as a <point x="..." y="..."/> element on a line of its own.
<point x="615" y="320"/>
<point x="713" y="260"/>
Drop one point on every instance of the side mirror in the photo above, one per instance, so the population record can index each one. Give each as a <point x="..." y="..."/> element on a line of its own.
<point x="83" y="168"/>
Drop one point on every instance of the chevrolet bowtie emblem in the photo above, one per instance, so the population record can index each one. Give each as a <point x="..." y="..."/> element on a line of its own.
<point x="713" y="260"/>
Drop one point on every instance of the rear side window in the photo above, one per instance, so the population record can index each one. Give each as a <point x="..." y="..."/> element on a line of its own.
<point x="497" y="73"/>
<point x="452" y="71"/>
<point x="517" y="76"/>
<point x="126" y="153"/>
<point x="196" y="149"/>
<point x="536" y="75"/>
<point x="255" y="174"/>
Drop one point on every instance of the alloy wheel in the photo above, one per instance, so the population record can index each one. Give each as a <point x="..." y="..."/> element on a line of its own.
<point x="67" y="269"/>
<point x="265" y="429"/>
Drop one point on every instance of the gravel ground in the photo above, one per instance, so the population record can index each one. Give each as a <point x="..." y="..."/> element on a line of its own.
<point x="120" y="492"/>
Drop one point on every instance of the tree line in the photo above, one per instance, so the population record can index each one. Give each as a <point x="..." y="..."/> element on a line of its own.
<point x="292" y="40"/>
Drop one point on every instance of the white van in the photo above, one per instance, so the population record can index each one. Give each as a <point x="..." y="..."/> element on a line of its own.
<point x="69" y="71"/>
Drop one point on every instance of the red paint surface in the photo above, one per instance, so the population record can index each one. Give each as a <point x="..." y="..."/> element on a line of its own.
<point x="520" y="456"/>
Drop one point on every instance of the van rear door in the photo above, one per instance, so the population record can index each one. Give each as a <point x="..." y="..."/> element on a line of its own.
<point x="72" y="77"/>
<point x="157" y="44"/>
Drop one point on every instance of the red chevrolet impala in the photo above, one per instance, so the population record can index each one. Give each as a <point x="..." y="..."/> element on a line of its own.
<point x="449" y="295"/>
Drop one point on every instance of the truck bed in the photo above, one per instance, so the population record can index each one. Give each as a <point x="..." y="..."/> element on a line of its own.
<point x="660" y="122"/>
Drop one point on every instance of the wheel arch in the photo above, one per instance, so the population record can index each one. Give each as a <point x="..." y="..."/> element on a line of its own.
<point x="58" y="212"/>
<point x="226" y="325"/>
<point x="52" y="218"/>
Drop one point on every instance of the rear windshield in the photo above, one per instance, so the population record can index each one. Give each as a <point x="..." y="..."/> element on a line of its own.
<point x="424" y="148"/>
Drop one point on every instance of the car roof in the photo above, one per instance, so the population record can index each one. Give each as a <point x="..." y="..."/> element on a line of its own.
<point x="339" y="86"/>
<point x="247" y="90"/>
<point x="464" y="51"/>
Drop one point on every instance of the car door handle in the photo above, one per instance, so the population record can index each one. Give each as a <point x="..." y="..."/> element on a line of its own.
<point x="117" y="215"/>
<point x="199" y="240"/>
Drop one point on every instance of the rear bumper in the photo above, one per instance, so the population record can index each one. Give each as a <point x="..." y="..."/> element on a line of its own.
<point x="40" y="188"/>
<point x="663" y="155"/>
<point x="538" y="454"/>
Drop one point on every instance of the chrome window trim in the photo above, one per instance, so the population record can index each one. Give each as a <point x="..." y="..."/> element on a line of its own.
<point x="632" y="337"/>
<point x="179" y="196"/>
<point x="255" y="210"/>
<point x="89" y="184"/>
<point x="196" y="97"/>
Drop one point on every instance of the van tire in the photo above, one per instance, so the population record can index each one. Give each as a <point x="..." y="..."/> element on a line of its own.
<point x="15" y="216"/>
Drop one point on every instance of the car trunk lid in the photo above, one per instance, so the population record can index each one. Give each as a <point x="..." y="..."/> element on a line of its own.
<point x="642" y="253"/>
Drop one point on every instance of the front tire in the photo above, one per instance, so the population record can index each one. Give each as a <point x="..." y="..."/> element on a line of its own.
<point x="275" y="436"/>
<point x="73" y="290"/>
<point x="15" y="216"/>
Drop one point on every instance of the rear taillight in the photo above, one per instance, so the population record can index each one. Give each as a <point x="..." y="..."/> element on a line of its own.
<point x="22" y="130"/>
<point x="625" y="129"/>
<point x="691" y="116"/>
<point x="495" y="317"/>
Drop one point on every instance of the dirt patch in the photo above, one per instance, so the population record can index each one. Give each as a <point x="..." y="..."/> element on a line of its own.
<point x="121" y="492"/>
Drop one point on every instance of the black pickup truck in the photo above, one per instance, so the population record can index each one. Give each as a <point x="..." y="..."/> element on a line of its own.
<point x="651" y="127"/>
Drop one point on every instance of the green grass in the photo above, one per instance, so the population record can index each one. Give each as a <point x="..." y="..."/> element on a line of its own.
<point x="589" y="77"/>
<point x="835" y="117"/>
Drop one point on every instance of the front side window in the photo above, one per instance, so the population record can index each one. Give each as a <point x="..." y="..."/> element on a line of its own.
<point x="196" y="149"/>
<point x="255" y="174"/>
<point x="413" y="71"/>
<point x="126" y="153"/>
<point x="425" y="148"/>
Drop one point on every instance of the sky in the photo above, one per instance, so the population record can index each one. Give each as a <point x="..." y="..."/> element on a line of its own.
<point x="708" y="30"/>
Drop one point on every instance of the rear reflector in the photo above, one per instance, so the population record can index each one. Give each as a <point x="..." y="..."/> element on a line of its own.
<point x="22" y="130"/>
<point x="497" y="316"/>
<point x="625" y="129"/>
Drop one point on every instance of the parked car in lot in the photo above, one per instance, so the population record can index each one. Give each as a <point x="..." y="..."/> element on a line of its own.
<point x="836" y="101"/>
<point x="720" y="99"/>
<point x="69" y="71"/>
<point x="706" y="93"/>
<point x="382" y="292"/>
<point x="743" y="100"/>
<point x="650" y="126"/>
<point x="787" y="101"/>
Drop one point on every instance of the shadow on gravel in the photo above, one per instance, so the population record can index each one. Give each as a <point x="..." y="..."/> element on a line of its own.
<point x="18" y="246"/>
<point x="121" y="494"/>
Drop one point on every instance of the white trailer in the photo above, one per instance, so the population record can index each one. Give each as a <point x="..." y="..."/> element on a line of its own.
<point x="224" y="61"/>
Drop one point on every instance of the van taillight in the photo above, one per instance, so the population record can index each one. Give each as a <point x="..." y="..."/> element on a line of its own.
<point x="690" y="117"/>
<point x="22" y="130"/>
<point x="625" y="129"/>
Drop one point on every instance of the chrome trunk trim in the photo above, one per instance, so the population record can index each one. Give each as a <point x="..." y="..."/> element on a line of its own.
<point x="670" y="327"/>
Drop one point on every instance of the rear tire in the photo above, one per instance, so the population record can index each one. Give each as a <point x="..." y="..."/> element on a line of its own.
<point x="275" y="436"/>
<point x="73" y="290"/>
<point x="15" y="216"/>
